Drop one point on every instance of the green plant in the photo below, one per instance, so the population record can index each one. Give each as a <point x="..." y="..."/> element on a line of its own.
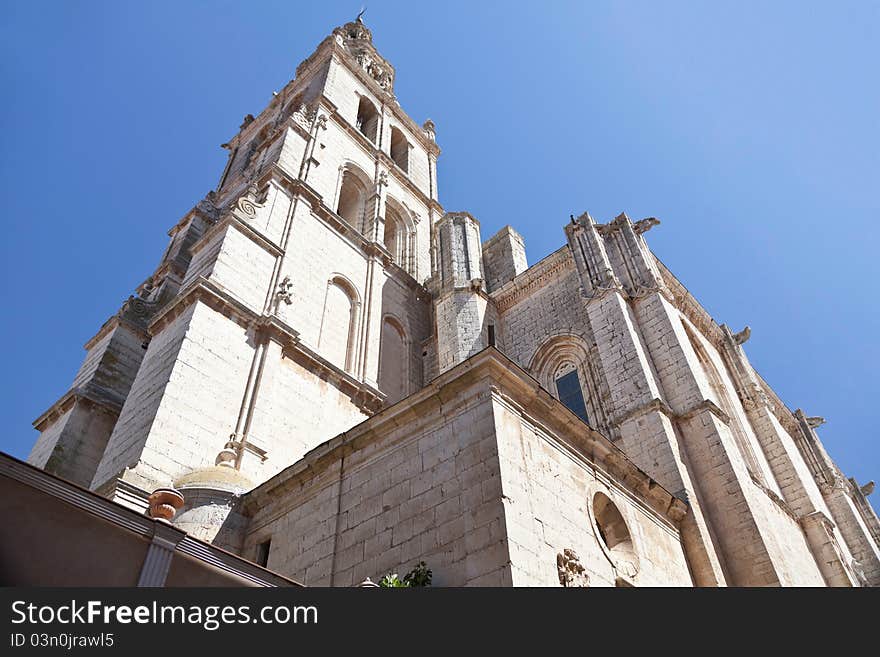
<point x="392" y="581"/>
<point x="420" y="575"/>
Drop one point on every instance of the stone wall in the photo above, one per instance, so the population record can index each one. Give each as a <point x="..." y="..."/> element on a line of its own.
<point x="438" y="477"/>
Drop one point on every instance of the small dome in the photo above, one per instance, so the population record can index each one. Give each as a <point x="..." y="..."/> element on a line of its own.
<point x="216" y="477"/>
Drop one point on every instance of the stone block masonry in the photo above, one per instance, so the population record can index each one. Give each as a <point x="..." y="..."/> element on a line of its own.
<point x="322" y="331"/>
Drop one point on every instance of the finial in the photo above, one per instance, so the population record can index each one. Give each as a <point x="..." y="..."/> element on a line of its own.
<point x="164" y="503"/>
<point x="359" y="18"/>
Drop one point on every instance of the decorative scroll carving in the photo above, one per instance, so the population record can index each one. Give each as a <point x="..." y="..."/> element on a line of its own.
<point x="572" y="573"/>
<point x="139" y="311"/>
<point x="248" y="204"/>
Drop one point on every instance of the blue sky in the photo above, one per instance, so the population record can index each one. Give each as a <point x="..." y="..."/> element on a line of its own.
<point x="749" y="128"/>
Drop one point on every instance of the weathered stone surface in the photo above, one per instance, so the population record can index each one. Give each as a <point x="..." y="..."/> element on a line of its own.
<point x="323" y="327"/>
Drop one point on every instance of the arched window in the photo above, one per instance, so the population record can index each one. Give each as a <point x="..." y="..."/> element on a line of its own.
<point x="400" y="236"/>
<point x="400" y="149"/>
<point x="339" y="323"/>
<point x="563" y="367"/>
<point x="395" y="236"/>
<point x="614" y="536"/>
<point x="352" y="199"/>
<point x="367" y="119"/>
<point x="393" y="361"/>
<point x="570" y="392"/>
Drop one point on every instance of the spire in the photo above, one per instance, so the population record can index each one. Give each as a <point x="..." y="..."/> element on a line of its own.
<point x="357" y="39"/>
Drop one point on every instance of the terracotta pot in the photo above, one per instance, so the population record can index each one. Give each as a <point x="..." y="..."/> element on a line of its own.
<point x="164" y="503"/>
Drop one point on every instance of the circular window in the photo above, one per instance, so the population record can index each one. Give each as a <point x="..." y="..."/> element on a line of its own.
<point x="614" y="536"/>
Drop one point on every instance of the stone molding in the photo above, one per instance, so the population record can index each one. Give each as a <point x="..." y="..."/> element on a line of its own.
<point x="89" y="393"/>
<point x="533" y="278"/>
<point x="365" y="396"/>
<point x="508" y="383"/>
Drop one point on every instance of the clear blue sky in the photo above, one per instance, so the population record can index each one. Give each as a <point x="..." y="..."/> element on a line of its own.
<point x="750" y="129"/>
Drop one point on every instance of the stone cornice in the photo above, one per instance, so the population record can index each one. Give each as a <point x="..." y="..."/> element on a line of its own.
<point x="699" y="407"/>
<point x="365" y="397"/>
<point x="496" y="375"/>
<point x="216" y="297"/>
<point x="655" y="404"/>
<point x="536" y="276"/>
<point x="362" y="394"/>
<point x="244" y="228"/>
<point x="89" y="502"/>
<point x="90" y="393"/>
<point x="295" y="186"/>
<point x="112" y="323"/>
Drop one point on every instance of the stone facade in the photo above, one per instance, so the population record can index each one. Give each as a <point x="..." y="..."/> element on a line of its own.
<point x="343" y="379"/>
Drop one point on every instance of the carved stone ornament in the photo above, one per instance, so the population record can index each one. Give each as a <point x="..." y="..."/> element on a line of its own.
<point x="248" y="203"/>
<point x="572" y="573"/>
<point x="430" y="130"/>
<point x="383" y="178"/>
<point x="138" y="310"/>
<point x="208" y="206"/>
<point x="859" y="572"/>
<point x="644" y="225"/>
<point x="357" y="39"/>
<point x="283" y="293"/>
<point x="605" y="282"/>
<point x="743" y="336"/>
<point x="815" y="421"/>
<point x="304" y="115"/>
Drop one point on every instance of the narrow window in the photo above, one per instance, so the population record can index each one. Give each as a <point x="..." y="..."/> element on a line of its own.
<point x="351" y="200"/>
<point x="400" y="149"/>
<point x="491" y="335"/>
<point x="367" y="119"/>
<point x="263" y="553"/>
<point x="394" y="237"/>
<point x="569" y="388"/>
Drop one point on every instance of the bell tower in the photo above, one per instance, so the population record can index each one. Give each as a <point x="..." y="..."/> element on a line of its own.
<point x="289" y="305"/>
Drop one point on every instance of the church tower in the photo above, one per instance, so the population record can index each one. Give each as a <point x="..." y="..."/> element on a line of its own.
<point x="289" y="305"/>
<point x="340" y="379"/>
